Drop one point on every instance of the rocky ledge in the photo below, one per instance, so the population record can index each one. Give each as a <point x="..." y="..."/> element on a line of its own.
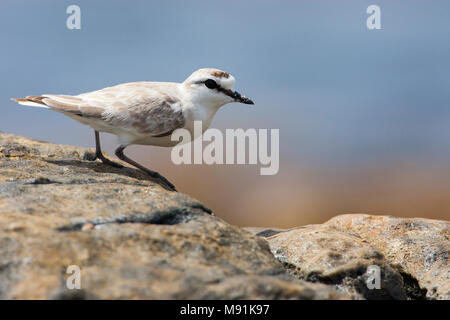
<point x="133" y="239"/>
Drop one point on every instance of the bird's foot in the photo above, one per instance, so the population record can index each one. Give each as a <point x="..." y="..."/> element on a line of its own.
<point x="167" y="185"/>
<point x="107" y="161"/>
<point x="163" y="181"/>
<point x="89" y="156"/>
<point x="112" y="163"/>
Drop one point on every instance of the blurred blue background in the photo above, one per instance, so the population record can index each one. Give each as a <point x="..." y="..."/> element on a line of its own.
<point x="364" y="115"/>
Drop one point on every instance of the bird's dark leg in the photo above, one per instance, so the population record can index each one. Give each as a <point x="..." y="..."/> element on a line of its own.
<point x="153" y="174"/>
<point x="99" y="154"/>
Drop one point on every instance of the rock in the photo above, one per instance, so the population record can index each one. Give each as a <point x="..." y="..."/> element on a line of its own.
<point x="130" y="238"/>
<point x="321" y="254"/>
<point x="133" y="239"/>
<point x="411" y="255"/>
<point x="418" y="248"/>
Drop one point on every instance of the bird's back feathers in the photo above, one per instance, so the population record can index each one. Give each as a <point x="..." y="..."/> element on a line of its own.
<point x="147" y="108"/>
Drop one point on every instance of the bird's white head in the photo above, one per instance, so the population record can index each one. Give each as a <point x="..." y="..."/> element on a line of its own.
<point x="213" y="87"/>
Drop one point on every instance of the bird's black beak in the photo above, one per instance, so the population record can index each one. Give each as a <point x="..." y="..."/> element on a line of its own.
<point x="235" y="95"/>
<point x="240" y="98"/>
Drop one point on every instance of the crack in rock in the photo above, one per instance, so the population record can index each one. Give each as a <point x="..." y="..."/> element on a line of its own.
<point x="412" y="288"/>
<point x="171" y="216"/>
<point x="42" y="180"/>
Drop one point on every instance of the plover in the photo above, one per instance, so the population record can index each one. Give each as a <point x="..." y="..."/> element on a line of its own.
<point x="146" y="113"/>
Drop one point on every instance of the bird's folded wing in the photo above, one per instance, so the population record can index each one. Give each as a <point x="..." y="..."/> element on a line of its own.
<point x="72" y="105"/>
<point x="141" y="111"/>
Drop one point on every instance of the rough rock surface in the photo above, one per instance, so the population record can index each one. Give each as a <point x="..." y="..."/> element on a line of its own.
<point x="131" y="238"/>
<point x="418" y="248"/>
<point x="411" y="254"/>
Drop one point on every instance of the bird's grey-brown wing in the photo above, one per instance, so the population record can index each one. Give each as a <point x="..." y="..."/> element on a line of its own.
<point x="150" y="116"/>
<point x="130" y="107"/>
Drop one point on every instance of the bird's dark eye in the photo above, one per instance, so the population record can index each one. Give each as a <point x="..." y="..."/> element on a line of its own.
<point x="211" y="84"/>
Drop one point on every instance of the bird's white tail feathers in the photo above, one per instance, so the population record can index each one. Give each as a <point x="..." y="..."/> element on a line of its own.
<point x="31" y="101"/>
